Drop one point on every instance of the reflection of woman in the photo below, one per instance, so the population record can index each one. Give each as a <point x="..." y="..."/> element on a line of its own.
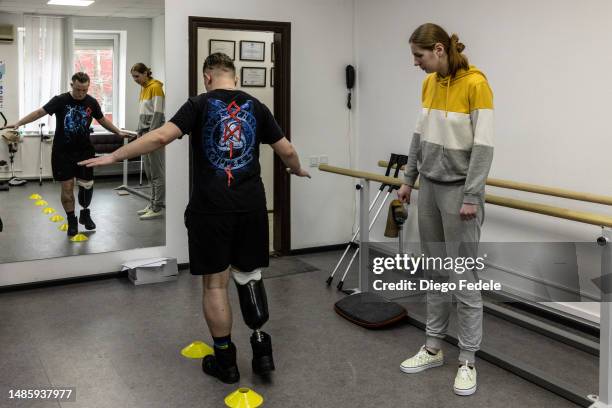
<point x="453" y="145"/>
<point x="151" y="116"/>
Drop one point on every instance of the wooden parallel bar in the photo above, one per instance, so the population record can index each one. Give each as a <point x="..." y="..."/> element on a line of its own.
<point x="534" y="188"/>
<point x="579" y="216"/>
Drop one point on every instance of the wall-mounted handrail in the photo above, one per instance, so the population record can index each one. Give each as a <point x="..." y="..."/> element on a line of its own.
<point x="579" y="216"/>
<point x="534" y="188"/>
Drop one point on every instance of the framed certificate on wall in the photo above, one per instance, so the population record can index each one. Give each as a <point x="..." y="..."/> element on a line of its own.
<point x="225" y="46"/>
<point x="252" y="50"/>
<point x="253" y="77"/>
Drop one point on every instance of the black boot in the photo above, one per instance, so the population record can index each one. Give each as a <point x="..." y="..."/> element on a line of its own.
<point x="85" y="219"/>
<point x="73" y="225"/>
<point x="222" y="365"/>
<point x="263" y="362"/>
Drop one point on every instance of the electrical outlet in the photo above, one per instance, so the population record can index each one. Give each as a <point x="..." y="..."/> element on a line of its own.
<point x="314" y="161"/>
<point x="324" y="159"/>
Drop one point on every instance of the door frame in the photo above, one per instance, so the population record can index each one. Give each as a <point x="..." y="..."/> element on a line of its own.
<point x="282" y="106"/>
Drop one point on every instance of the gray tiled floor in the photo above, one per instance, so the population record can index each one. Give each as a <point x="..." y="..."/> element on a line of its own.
<point x="28" y="234"/>
<point x="120" y="346"/>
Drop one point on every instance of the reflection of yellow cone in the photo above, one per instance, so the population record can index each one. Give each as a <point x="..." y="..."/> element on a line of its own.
<point x="57" y="218"/>
<point x="64" y="227"/>
<point x="48" y="211"/>
<point x="79" y="238"/>
<point x="35" y="197"/>
<point x="243" y="398"/>
<point x="197" y="349"/>
<point x="41" y="203"/>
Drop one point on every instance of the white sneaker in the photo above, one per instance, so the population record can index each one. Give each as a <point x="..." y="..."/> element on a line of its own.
<point x="144" y="210"/>
<point x="151" y="215"/>
<point x="422" y="361"/>
<point x="465" y="381"/>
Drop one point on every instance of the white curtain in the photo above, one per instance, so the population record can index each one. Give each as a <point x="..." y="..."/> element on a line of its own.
<point x="43" y="55"/>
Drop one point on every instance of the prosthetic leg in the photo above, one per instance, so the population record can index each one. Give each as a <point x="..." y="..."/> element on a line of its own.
<point x="254" y="307"/>
<point x="85" y="195"/>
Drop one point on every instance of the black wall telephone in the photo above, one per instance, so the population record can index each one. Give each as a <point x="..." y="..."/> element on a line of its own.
<point x="350" y="83"/>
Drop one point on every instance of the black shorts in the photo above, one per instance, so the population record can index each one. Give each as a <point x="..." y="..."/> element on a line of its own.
<point x="64" y="165"/>
<point x="217" y="241"/>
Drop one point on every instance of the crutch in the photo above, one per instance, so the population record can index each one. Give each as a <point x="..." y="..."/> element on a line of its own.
<point x="392" y="160"/>
<point x="40" y="174"/>
<point x="398" y="160"/>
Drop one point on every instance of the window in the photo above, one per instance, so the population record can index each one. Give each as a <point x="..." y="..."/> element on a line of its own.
<point x="97" y="54"/>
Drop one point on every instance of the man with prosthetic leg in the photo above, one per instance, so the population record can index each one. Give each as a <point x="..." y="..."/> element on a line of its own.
<point x="226" y="218"/>
<point x="74" y="112"/>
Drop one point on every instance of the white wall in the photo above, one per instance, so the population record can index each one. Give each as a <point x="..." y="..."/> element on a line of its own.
<point x="264" y="95"/>
<point x="544" y="61"/>
<point x="158" y="48"/>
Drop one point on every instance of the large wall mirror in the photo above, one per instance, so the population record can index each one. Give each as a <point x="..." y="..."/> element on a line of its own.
<point x="41" y="47"/>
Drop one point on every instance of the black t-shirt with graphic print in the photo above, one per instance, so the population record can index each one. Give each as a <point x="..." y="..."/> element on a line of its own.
<point x="72" y="121"/>
<point x="226" y="128"/>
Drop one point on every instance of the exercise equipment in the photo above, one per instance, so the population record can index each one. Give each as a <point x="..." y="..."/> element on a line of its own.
<point x="43" y="138"/>
<point x="12" y="138"/>
<point x="35" y="197"/>
<point x="3" y="184"/>
<point x="49" y="211"/>
<point x="396" y="161"/>
<point x="56" y="218"/>
<point x="63" y="227"/>
<point x="243" y="398"/>
<point x="41" y="203"/>
<point x="197" y="349"/>
<point x="79" y="238"/>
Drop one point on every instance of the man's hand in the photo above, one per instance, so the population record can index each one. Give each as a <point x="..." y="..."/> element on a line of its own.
<point x="403" y="194"/>
<point x="98" y="161"/>
<point x="299" y="172"/>
<point x="468" y="211"/>
<point x="126" y="135"/>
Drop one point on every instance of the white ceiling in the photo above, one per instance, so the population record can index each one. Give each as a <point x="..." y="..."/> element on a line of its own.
<point x="101" y="8"/>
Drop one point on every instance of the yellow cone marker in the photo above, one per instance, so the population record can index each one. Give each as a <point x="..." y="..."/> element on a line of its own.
<point x="41" y="203"/>
<point x="197" y="349"/>
<point x="57" y="218"/>
<point x="35" y="197"/>
<point x="49" y="210"/>
<point x="244" y="398"/>
<point x="79" y="238"/>
<point x="64" y="227"/>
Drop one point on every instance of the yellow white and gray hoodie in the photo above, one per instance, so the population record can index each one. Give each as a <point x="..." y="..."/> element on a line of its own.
<point x="453" y="139"/>
<point x="151" y="111"/>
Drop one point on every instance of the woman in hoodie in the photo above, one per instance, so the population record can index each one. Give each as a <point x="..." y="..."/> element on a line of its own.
<point x="452" y="151"/>
<point x="151" y="116"/>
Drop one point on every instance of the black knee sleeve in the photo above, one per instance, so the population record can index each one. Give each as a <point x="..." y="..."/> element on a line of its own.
<point x="85" y="195"/>
<point x="253" y="303"/>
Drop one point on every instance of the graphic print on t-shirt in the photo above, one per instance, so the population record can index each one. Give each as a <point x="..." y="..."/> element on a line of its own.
<point x="229" y="136"/>
<point x="76" y="121"/>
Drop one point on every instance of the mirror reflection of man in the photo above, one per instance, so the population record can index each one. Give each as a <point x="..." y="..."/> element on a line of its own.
<point x="74" y="112"/>
<point x="226" y="219"/>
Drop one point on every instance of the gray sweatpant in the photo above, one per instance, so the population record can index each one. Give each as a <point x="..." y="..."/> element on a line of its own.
<point x="444" y="234"/>
<point x="155" y="169"/>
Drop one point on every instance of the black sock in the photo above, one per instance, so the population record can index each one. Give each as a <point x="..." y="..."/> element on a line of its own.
<point x="70" y="214"/>
<point x="222" y="343"/>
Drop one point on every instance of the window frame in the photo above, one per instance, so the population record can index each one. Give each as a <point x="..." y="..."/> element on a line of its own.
<point x="118" y="60"/>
